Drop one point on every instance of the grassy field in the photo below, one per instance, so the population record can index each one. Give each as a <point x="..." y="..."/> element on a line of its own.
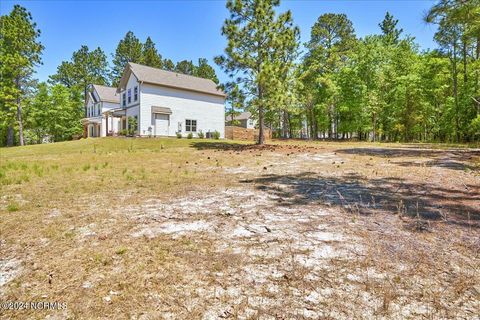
<point x="204" y="229"/>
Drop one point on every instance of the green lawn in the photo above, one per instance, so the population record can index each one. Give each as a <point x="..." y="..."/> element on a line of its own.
<point x="151" y="228"/>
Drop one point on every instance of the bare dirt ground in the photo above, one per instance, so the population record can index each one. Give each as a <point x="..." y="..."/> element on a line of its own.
<point x="287" y="231"/>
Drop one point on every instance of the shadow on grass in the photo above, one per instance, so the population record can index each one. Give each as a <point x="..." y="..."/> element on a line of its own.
<point x="391" y="195"/>
<point x="230" y="146"/>
<point x="450" y="159"/>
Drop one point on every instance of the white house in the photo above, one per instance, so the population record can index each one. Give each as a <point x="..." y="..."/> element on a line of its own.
<point x="100" y="101"/>
<point x="244" y="120"/>
<point x="165" y="103"/>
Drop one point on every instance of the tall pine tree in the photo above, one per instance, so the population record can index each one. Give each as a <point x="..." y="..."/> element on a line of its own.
<point x="389" y="29"/>
<point x="257" y="38"/>
<point x="20" y="52"/>
<point x="129" y="49"/>
<point x="150" y="55"/>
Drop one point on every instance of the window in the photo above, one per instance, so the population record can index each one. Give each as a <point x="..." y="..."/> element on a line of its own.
<point x="129" y="95"/>
<point x="135" y="94"/>
<point x="191" y="125"/>
<point x="124" y="99"/>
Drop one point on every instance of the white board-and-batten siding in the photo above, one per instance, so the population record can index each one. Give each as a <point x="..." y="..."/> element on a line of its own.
<point x="208" y="110"/>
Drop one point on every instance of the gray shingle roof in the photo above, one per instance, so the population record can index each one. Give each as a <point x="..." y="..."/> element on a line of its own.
<point x="107" y="94"/>
<point x="174" y="79"/>
<point x="242" y="116"/>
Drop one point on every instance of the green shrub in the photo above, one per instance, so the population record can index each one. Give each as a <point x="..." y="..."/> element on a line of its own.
<point x="201" y="135"/>
<point x="216" y="135"/>
<point x="190" y="136"/>
<point x="179" y="135"/>
<point x="123" y="132"/>
<point x="132" y="126"/>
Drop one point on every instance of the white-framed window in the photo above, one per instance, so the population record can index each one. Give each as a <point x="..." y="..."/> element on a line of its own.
<point x="129" y="95"/>
<point x="135" y="94"/>
<point x="124" y="99"/>
<point x="191" y="125"/>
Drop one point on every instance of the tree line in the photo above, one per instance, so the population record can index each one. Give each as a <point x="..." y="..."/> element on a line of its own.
<point x="31" y="111"/>
<point x="381" y="87"/>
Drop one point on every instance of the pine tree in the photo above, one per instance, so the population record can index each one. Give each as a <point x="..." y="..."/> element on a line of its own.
<point x="168" y="65"/>
<point x="389" y="29"/>
<point x="150" y="55"/>
<point x="331" y="42"/>
<point x="185" y="67"/>
<point x="204" y="70"/>
<point x="84" y="68"/>
<point x="236" y="100"/>
<point x="129" y="49"/>
<point x="258" y="39"/>
<point x="20" y="52"/>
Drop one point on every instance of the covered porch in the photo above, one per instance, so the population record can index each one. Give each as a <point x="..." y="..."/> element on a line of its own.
<point x="92" y="128"/>
<point x="115" y="121"/>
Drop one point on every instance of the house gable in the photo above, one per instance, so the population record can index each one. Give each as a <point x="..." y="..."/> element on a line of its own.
<point x="163" y="78"/>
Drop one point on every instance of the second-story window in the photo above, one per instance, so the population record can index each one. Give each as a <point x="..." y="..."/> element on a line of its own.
<point x="135" y="94"/>
<point x="124" y="99"/>
<point x="129" y="95"/>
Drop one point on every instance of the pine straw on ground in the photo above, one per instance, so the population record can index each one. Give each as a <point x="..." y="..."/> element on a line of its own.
<point x="198" y="229"/>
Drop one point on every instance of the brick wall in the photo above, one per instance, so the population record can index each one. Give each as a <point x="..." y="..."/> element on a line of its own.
<point x="238" y="133"/>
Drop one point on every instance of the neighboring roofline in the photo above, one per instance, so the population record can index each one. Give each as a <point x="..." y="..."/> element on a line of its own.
<point x="100" y="99"/>
<point x="112" y="101"/>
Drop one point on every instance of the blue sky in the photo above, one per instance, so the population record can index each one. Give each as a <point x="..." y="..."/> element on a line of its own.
<point x="191" y="29"/>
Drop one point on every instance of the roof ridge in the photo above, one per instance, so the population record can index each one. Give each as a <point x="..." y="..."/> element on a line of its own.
<point x="102" y="85"/>
<point x="173" y="72"/>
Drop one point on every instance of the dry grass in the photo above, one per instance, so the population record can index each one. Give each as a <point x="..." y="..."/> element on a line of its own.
<point x="168" y="228"/>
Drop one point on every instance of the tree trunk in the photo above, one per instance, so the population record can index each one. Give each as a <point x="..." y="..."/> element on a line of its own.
<point x="261" y="120"/>
<point x="330" y="122"/>
<point x="455" y="92"/>
<point x="19" y="115"/>
<point x="284" y="124"/>
<point x="477" y="72"/>
<point x="312" y="125"/>
<point x="464" y="53"/>
<point x="10" y="136"/>
<point x="290" y="129"/>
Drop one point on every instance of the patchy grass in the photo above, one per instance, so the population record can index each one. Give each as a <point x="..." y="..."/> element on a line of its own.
<point x="194" y="228"/>
<point x="12" y="207"/>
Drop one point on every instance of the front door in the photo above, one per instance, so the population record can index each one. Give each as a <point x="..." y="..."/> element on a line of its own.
<point x="162" y="122"/>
